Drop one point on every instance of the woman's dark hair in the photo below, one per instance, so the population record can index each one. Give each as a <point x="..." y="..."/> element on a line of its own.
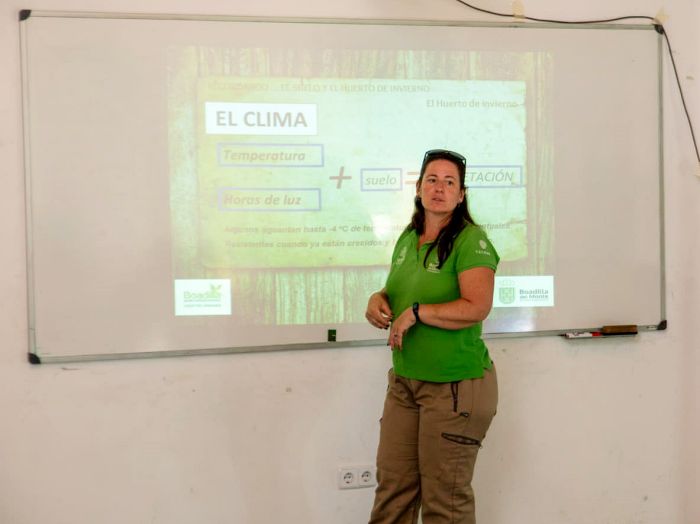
<point x="460" y="216"/>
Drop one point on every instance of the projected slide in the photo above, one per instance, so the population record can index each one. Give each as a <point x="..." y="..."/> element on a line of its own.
<point x="312" y="175"/>
<point x="321" y="173"/>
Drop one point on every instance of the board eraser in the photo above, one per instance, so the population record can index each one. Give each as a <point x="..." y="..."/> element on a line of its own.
<point x="619" y="330"/>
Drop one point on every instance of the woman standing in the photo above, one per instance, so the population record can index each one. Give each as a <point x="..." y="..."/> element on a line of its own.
<point x="442" y="391"/>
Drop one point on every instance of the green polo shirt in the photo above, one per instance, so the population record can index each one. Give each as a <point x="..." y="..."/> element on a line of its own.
<point x="430" y="353"/>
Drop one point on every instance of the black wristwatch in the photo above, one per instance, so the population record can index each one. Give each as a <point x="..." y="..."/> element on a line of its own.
<point x="416" y="305"/>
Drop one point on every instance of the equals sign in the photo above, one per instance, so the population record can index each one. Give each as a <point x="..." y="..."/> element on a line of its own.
<point x="412" y="177"/>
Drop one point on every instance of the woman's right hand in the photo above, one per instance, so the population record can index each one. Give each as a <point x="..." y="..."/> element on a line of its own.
<point x="378" y="310"/>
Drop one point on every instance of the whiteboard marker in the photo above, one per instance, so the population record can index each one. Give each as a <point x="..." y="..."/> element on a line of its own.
<point x="583" y="334"/>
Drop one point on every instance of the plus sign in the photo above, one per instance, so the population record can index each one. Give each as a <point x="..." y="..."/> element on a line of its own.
<point x="340" y="177"/>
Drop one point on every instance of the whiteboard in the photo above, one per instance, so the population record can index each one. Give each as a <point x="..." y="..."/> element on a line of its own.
<point x="219" y="184"/>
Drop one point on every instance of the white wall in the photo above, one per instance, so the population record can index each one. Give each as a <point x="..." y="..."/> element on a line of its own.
<point x="587" y="432"/>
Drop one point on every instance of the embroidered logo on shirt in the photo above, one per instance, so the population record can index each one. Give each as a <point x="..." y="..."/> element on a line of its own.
<point x="401" y="257"/>
<point x="433" y="267"/>
<point x="483" y="251"/>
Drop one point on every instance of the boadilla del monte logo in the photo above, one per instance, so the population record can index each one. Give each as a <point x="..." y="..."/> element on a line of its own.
<point x="202" y="296"/>
<point x="210" y="295"/>
<point x="506" y="291"/>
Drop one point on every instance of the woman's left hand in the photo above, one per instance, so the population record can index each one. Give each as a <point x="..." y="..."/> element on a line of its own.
<point x="399" y="327"/>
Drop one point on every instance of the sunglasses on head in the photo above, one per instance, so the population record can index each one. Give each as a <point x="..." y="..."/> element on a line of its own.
<point x="444" y="153"/>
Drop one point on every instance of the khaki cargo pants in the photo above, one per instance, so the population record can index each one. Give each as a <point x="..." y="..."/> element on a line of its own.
<point x="430" y="436"/>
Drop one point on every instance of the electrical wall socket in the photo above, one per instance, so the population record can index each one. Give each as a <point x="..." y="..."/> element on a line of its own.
<point x="350" y="477"/>
<point x="347" y="478"/>
<point x="366" y="476"/>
